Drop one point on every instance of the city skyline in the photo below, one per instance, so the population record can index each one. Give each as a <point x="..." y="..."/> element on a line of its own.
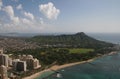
<point x="51" y="16"/>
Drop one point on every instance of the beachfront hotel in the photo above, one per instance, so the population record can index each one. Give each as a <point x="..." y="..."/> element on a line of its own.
<point x="3" y="72"/>
<point x="3" y="65"/>
<point x="22" y="64"/>
<point x="1" y="51"/>
<point x="4" y="59"/>
<point x="32" y="63"/>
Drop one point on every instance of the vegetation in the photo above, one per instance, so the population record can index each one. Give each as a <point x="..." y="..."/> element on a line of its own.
<point x="49" y="56"/>
<point x="80" y="50"/>
<point x="76" y="50"/>
<point x="78" y="40"/>
<point x="63" y="49"/>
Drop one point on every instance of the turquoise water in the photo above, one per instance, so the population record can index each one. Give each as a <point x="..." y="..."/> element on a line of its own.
<point x="107" y="67"/>
<point x="45" y="74"/>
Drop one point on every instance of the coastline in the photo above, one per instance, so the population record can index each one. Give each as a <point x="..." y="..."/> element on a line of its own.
<point x="57" y="67"/>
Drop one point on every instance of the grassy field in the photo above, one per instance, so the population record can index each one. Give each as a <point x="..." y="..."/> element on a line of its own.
<point x="80" y="50"/>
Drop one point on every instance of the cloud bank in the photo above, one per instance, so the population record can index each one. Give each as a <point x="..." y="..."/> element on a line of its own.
<point x="49" y="10"/>
<point x="29" y="15"/>
<point x="10" y="12"/>
<point x="26" y="21"/>
<point x="19" y="7"/>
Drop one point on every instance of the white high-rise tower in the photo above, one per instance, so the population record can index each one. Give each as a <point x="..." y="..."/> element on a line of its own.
<point x="3" y="72"/>
<point x="4" y="60"/>
<point x="1" y="51"/>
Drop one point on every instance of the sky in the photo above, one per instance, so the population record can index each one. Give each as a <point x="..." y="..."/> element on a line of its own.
<point x="57" y="16"/>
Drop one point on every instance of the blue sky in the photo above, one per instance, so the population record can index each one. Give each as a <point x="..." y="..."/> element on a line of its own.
<point x="52" y="16"/>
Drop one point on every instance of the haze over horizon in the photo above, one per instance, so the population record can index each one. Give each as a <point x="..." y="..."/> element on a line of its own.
<point x="54" y="16"/>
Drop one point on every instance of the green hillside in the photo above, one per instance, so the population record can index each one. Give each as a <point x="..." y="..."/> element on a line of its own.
<point x="73" y="40"/>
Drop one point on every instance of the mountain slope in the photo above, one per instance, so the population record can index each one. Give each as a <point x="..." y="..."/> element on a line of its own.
<point x="74" y="40"/>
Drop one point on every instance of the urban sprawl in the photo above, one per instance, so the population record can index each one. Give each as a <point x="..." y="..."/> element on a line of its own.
<point x="10" y="66"/>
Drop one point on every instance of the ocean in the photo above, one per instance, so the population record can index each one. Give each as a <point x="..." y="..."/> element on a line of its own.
<point x="107" y="67"/>
<point x="108" y="37"/>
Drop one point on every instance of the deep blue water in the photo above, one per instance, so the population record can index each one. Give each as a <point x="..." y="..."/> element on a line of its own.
<point x="108" y="37"/>
<point x="107" y="67"/>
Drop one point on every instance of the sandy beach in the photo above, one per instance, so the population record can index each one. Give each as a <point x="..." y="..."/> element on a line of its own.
<point x="55" y="67"/>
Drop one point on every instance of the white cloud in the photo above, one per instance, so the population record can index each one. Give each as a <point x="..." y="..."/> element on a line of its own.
<point x="19" y="7"/>
<point x="16" y="20"/>
<point x="26" y="21"/>
<point x="1" y="4"/>
<point x="25" y="26"/>
<point x="29" y="15"/>
<point x="29" y="23"/>
<point x="10" y="12"/>
<point x="49" y="10"/>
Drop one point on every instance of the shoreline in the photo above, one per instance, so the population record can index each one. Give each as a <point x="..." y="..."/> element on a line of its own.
<point x="57" y="67"/>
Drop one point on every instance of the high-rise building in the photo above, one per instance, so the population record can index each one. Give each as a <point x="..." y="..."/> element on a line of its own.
<point x="19" y="66"/>
<point x="14" y="63"/>
<point x="9" y="61"/>
<point x="32" y="63"/>
<point x="1" y="51"/>
<point x="4" y="60"/>
<point x="3" y="72"/>
<point x="36" y="64"/>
